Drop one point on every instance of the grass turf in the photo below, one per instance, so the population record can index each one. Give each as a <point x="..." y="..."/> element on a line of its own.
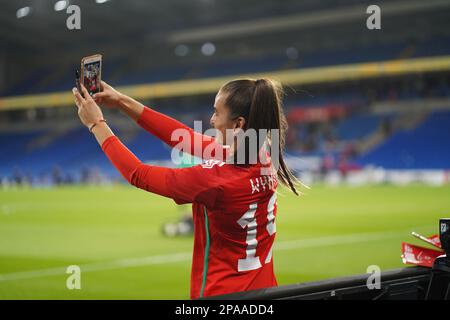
<point x="328" y="232"/>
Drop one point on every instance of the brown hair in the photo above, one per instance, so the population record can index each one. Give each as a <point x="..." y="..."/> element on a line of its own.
<point x="259" y="102"/>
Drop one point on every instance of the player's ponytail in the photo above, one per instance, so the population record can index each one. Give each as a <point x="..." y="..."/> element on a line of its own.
<point x="260" y="103"/>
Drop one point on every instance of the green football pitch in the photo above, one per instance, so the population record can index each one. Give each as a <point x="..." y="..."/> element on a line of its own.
<point x="114" y="235"/>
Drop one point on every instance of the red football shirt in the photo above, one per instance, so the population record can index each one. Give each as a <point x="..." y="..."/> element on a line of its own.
<point x="234" y="210"/>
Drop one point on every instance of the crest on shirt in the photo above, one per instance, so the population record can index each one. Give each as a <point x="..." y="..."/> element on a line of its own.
<point x="208" y="164"/>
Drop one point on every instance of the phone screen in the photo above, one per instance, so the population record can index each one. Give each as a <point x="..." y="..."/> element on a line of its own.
<point x="91" y="76"/>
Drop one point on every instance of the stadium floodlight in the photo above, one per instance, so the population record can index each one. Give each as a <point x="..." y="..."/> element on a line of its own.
<point x="292" y="53"/>
<point x="61" y="5"/>
<point x="208" y="49"/>
<point x="23" y="12"/>
<point x="181" y="50"/>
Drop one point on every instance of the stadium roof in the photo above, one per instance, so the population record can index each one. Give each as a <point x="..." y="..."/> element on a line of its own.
<point x="157" y="26"/>
<point x="146" y="34"/>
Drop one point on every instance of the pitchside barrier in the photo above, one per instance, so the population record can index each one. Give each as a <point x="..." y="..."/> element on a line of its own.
<point x="411" y="283"/>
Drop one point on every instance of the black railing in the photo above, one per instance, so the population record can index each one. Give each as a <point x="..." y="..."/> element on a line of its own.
<point x="408" y="283"/>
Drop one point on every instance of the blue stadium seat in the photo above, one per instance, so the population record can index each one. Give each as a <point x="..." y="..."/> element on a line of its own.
<point x="425" y="147"/>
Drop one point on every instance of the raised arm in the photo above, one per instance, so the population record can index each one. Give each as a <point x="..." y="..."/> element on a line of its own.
<point x="110" y="97"/>
<point x="160" y="125"/>
<point x="183" y="185"/>
<point x="164" y="127"/>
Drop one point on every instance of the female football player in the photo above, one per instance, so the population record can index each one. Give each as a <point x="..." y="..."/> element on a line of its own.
<point x="234" y="199"/>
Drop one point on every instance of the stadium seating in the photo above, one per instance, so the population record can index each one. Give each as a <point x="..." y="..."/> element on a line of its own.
<point x="259" y="64"/>
<point x="420" y="148"/>
<point x="71" y="152"/>
<point x="357" y="126"/>
<point x="76" y="150"/>
<point x="14" y="148"/>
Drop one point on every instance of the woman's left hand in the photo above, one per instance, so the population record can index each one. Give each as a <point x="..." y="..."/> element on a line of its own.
<point x="88" y="111"/>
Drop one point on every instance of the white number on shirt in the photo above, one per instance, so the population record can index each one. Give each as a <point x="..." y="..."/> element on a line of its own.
<point x="251" y="261"/>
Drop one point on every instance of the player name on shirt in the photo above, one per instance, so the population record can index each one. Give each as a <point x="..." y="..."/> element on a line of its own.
<point x="262" y="183"/>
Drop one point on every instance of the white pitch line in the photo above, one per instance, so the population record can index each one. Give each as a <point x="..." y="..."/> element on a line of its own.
<point x="334" y="240"/>
<point x="185" y="256"/>
<point x="99" y="266"/>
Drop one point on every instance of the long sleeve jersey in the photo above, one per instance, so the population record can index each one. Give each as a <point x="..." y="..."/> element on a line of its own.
<point x="234" y="208"/>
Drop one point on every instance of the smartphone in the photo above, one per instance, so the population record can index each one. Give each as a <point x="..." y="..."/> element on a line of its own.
<point x="77" y="81"/>
<point x="91" y="73"/>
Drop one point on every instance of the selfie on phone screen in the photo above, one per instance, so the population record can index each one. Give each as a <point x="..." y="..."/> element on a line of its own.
<point x="91" y="73"/>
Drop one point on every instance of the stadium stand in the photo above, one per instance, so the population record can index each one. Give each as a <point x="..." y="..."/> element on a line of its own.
<point x="352" y="136"/>
<point x="419" y="148"/>
<point x="123" y="73"/>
